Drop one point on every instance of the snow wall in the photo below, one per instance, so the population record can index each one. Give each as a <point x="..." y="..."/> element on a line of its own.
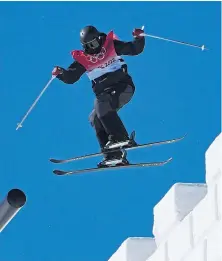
<point x="191" y="229"/>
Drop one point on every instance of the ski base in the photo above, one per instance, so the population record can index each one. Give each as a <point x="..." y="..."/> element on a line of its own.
<point x="131" y="165"/>
<point x="139" y="146"/>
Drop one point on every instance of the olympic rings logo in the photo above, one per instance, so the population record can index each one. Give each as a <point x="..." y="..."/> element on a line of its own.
<point x="96" y="57"/>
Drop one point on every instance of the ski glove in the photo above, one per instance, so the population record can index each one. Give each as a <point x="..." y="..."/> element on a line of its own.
<point x="57" y="70"/>
<point x="137" y="32"/>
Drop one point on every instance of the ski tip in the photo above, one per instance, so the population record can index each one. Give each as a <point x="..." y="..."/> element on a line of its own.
<point x="182" y="137"/>
<point x="170" y="159"/>
<point x="165" y="162"/>
<point x="59" y="172"/>
<point x="54" y="160"/>
<point x="185" y="135"/>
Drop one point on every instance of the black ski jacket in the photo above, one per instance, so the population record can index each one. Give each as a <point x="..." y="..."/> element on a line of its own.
<point x="76" y="70"/>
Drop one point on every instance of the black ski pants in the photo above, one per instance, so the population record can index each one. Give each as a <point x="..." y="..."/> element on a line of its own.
<point x="104" y="117"/>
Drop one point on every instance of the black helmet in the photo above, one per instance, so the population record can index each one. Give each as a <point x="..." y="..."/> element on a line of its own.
<point x="90" y="39"/>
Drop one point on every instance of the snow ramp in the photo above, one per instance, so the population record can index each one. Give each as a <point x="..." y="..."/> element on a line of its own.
<point x="191" y="229"/>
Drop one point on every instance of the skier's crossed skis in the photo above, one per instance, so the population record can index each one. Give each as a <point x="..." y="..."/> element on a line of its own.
<point x="111" y="165"/>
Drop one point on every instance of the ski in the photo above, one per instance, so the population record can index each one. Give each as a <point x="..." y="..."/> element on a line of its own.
<point x="139" y="146"/>
<point x="131" y="165"/>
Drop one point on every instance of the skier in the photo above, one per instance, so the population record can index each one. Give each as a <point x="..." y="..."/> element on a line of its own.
<point x="101" y="60"/>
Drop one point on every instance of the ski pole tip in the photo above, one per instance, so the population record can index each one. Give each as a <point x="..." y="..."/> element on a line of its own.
<point x="19" y="125"/>
<point x="204" y="48"/>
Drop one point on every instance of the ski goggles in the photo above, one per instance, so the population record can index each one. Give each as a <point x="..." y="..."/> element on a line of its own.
<point x="92" y="44"/>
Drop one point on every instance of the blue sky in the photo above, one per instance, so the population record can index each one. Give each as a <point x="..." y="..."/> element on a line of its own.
<point x="86" y="218"/>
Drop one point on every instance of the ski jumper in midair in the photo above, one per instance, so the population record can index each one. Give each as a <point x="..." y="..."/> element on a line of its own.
<point x="101" y="60"/>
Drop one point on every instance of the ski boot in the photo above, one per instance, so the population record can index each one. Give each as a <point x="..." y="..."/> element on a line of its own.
<point x="131" y="140"/>
<point x="123" y="144"/>
<point x="117" y="158"/>
<point x="114" y="153"/>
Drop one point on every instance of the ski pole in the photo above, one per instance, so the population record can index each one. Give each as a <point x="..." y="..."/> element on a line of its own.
<point x="202" y="47"/>
<point x="19" y="125"/>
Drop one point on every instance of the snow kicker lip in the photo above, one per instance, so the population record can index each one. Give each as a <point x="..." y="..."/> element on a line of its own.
<point x="131" y="165"/>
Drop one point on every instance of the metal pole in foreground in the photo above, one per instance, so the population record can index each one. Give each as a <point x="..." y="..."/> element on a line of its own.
<point x="11" y="205"/>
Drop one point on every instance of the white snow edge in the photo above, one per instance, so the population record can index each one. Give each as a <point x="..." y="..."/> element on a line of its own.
<point x="192" y="228"/>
